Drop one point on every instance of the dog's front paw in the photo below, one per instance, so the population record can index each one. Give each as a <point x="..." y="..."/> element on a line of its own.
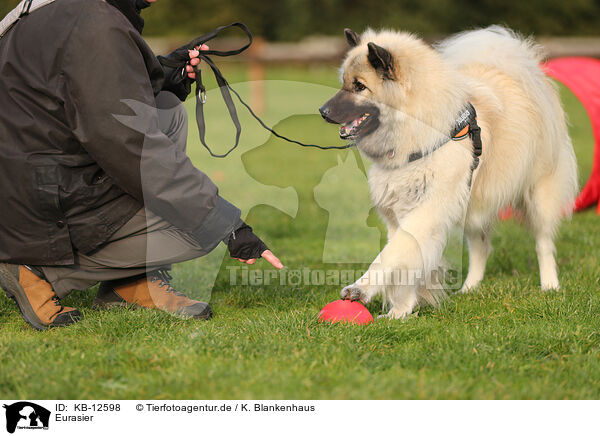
<point x="354" y="293"/>
<point x="469" y="286"/>
<point x="401" y="314"/>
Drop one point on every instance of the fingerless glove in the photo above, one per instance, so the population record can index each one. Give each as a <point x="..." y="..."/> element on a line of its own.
<point x="244" y="244"/>
<point x="176" y="78"/>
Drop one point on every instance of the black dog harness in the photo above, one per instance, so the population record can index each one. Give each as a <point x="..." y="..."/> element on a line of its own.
<point x="466" y="126"/>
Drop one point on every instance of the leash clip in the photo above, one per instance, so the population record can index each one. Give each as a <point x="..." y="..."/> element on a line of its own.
<point x="202" y="96"/>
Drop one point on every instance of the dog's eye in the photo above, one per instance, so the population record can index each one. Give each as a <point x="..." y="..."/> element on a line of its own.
<point x="358" y="86"/>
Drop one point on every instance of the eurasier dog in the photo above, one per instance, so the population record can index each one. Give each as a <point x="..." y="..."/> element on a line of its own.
<point x="411" y="109"/>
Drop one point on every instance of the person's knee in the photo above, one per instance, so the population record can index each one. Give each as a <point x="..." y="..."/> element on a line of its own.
<point x="172" y="115"/>
<point x="166" y="100"/>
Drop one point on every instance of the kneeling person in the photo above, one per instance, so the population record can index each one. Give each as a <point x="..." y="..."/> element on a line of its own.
<point x="97" y="186"/>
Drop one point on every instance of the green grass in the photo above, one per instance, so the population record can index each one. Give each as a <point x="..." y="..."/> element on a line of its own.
<point x="507" y="340"/>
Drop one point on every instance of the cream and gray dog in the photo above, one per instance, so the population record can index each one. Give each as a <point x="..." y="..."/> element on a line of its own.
<point x="401" y="102"/>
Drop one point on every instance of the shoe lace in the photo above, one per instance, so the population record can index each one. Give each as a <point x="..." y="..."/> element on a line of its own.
<point x="164" y="278"/>
<point x="56" y="301"/>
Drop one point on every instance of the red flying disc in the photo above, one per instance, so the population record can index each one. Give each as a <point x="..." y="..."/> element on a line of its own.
<point x="346" y="311"/>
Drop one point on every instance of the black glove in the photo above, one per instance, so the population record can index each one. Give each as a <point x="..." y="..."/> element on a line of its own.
<point x="243" y="244"/>
<point x="177" y="80"/>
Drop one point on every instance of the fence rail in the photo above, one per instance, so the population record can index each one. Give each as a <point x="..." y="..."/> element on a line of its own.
<point x="319" y="49"/>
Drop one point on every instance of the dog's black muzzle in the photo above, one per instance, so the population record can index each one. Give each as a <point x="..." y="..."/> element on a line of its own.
<point x="355" y="119"/>
<point x="324" y="111"/>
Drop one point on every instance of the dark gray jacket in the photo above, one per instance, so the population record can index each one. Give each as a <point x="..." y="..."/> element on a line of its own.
<point x="71" y="171"/>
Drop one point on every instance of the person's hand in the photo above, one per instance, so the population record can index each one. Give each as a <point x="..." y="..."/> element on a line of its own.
<point x="178" y="67"/>
<point x="194" y="60"/>
<point x="268" y="256"/>
<point x="246" y="247"/>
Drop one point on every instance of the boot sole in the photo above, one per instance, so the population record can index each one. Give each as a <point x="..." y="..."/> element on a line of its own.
<point x="14" y="291"/>
<point x="99" y="305"/>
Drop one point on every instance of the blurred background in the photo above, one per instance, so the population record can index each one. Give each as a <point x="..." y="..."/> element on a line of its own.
<point x="290" y="20"/>
<point x="297" y="20"/>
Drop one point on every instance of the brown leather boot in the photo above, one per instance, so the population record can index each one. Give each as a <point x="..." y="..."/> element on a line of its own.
<point x="37" y="301"/>
<point x="153" y="292"/>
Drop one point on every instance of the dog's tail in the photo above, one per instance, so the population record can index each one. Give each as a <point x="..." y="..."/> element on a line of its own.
<point x="520" y="58"/>
<point x="494" y="46"/>
<point x="504" y="50"/>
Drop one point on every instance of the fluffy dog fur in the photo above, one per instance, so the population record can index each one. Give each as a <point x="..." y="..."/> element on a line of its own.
<point x="412" y="95"/>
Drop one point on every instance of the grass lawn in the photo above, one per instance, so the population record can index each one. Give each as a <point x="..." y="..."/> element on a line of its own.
<point x="507" y="340"/>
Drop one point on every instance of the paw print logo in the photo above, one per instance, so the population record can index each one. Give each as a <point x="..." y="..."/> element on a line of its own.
<point x="294" y="277"/>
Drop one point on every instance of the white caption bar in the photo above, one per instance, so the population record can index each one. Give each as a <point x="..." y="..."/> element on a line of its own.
<point x="159" y="417"/>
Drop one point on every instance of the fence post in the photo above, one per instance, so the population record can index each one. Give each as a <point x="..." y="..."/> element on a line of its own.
<point x="256" y="75"/>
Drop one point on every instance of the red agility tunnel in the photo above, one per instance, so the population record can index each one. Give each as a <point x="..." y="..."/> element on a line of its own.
<point x="582" y="75"/>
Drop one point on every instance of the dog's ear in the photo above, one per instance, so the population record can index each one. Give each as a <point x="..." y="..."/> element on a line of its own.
<point x="352" y="37"/>
<point x="381" y="60"/>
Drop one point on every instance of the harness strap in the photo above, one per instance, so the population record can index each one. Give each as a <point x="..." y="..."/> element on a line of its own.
<point x="226" y="90"/>
<point x="474" y="131"/>
<point x="466" y="126"/>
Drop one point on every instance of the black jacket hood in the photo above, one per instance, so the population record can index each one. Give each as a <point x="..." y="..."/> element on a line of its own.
<point x="131" y="9"/>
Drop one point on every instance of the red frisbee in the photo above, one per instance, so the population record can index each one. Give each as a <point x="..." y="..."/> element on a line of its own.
<point x="346" y="311"/>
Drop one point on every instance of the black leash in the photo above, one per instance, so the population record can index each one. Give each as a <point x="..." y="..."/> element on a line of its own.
<point x="226" y="90"/>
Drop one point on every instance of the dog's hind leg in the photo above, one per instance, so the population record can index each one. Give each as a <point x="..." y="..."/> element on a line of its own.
<point x="543" y="214"/>
<point x="480" y="246"/>
<point x="544" y="246"/>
